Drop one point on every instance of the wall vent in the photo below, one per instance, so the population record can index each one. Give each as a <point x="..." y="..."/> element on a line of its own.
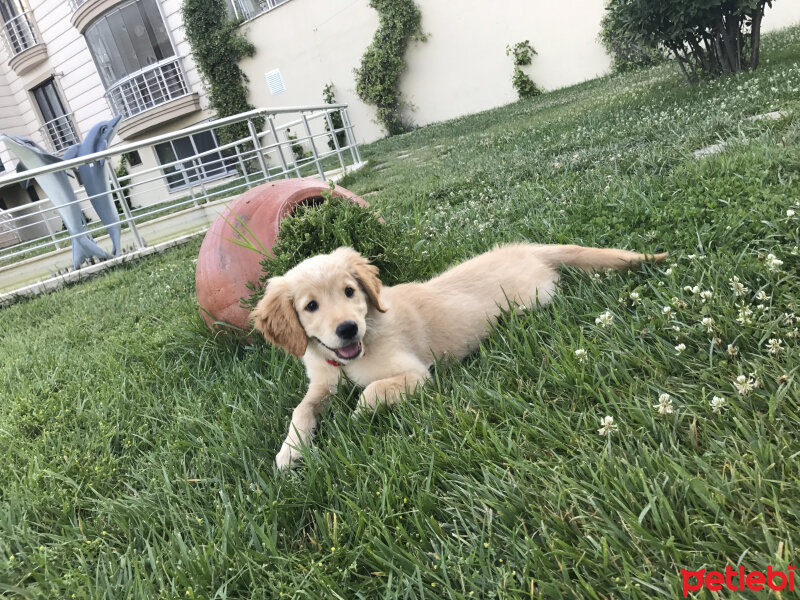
<point x="275" y="82"/>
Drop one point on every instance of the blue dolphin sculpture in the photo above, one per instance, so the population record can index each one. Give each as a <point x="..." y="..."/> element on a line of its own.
<point x="56" y="186"/>
<point x="94" y="179"/>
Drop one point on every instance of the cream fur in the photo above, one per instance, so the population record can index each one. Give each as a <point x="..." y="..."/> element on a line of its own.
<point x="402" y="329"/>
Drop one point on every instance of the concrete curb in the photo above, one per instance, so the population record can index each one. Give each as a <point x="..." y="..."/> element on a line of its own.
<point x="54" y="283"/>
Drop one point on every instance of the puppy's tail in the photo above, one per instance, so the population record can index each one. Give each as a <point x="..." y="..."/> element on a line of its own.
<point x="593" y="259"/>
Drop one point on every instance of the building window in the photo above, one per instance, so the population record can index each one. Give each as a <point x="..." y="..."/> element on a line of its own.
<point x="17" y="26"/>
<point x="193" y="168"/>
<point x="57" y="121"/>
<point x="247" y="9"/>
<point x="134" y="159"/>
<point x="135" y="58"/>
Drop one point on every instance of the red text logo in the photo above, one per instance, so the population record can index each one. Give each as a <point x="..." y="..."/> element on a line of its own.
<point x="737" y="580"/>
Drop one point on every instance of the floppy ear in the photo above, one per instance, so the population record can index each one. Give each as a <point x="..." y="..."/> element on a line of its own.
<point x="366" y="274"/>
<point x="275" y="317"/>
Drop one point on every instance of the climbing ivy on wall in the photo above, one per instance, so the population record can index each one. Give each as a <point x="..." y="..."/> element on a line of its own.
<point x="378" y="77"/>
<point x="217" y="48"/>
<point x="523" y="53"/>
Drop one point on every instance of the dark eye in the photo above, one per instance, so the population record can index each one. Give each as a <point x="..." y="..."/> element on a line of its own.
<point x="312" y="306"/>
<point x="348" y="291"/>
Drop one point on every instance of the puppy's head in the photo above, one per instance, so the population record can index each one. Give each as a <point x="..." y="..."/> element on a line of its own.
<point x="325" y="299"/>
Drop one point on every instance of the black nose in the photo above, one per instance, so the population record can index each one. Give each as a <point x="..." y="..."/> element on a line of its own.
<point x="347" y="330"/>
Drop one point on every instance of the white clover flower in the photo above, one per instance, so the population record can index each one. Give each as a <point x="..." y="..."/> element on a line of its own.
<point x="756" y="380"/>
<point x="605" y="320"/>
<point x="635" y="298"/>
<point x="664" y="405"/>
<point x="738" y="287"/>
<point x="733" y="350"/>
<point x="580" y="354"/>
<point x="676" y="328"/>
<point x="680" y="348"/>
<point x="608" y="426"/>
<point x="718" y="404"/>
<point x="708" y="323"/>
<point x="774" y="346"/>
<point x="790" y="212"/>
<point x="691" y="256"/>
<point x="744" y="385"/>
<point x="667" y="311"/>
<point x="745" y="315"/>
<point x="706" y="295"/>
<point x="668" y="272"/>
<point x="692" y="289"/>
<point x="762" y="295"/>
<point x="773" y="263"/>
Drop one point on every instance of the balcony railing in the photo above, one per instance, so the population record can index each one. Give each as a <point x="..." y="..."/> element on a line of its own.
<point x="19" y="33"/>
<point x="148" y="88"/>
<point x="61" y="133"/>
<point x="247" y="9"/>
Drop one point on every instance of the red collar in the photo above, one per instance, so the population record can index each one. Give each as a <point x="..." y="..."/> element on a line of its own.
<point x="333" y="362"/>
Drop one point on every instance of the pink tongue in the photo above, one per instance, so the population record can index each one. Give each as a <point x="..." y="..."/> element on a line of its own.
<point x="349" y="351"/>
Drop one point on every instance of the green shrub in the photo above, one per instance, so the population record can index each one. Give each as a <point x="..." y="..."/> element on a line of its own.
<point x="321" y="228"/>
<point x="708" y="38"/>
<point x="329" y="97"/>
<point x="626" y="55"/>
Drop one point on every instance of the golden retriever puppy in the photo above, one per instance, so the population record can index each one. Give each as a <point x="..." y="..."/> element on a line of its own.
<point x="333" y="312"/>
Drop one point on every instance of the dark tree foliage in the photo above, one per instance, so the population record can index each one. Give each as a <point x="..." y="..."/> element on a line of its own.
<point x="711" y="37"/>
<point x="626" y="55"/>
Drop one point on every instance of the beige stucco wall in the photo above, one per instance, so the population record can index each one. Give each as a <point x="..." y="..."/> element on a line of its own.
<point x="462" y="67"/>
<point x="782" y="14"/>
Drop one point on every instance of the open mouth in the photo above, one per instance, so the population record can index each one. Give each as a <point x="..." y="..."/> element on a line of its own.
<point x="348" y="352"/>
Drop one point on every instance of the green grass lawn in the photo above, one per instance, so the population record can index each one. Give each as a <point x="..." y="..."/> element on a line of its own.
<point x="137" y="449"/>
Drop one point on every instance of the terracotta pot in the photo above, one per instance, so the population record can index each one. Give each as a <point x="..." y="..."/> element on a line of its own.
<point x="224" y="268"/>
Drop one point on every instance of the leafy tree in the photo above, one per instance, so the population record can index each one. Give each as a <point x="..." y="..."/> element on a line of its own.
<point x="626" y="55"/>
<point x="712" y="37"/>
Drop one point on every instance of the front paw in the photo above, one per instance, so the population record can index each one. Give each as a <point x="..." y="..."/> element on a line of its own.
<point x="287" y="458"/>
<point x="376" y="394"/>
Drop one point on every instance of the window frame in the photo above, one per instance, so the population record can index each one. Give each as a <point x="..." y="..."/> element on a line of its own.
<point x="225" y="167"/>
<point x="70" y="137"/>
<point x="89" y="34"/>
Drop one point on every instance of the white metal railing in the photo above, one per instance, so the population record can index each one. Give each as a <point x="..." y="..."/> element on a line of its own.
<point x="148" y="88"/>
<point x="61" y="133"/>
<point x="8" y="233"/>
<point x="19" y="33"/>
<point x="262" y="151"/>
<point x="75" y="4"/>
